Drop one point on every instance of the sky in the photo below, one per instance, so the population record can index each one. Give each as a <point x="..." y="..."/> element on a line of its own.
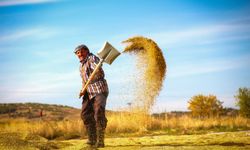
<point x="206" y="45"/>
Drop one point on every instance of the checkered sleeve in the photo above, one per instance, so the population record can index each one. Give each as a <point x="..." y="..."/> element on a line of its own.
<point x="94" y="61"/>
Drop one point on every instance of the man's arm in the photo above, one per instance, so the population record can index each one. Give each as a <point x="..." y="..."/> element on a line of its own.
<point x="93" y="63"/>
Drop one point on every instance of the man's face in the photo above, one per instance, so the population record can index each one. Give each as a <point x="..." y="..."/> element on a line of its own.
<point x="81" y="54"/>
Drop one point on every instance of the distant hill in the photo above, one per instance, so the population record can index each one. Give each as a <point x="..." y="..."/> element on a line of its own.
<point x="38" y="110"/>
<point x="62" y="112"/>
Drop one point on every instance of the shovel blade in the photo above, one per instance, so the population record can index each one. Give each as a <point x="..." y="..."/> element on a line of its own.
<point x="108" y="53"/>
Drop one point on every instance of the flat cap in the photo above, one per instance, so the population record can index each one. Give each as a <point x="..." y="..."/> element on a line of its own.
<point x="80" y="47"/>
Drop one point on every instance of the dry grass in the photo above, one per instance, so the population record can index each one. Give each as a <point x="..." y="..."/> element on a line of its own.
<point x="126" y="124"/>
<point x="48" y="129"/>
<point x="143" y="123"/>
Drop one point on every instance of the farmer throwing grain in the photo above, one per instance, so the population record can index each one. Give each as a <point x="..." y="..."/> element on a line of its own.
<point x="94" y="99"/>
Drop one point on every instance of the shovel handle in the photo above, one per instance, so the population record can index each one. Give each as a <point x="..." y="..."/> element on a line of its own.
<point x="84" y="89"/>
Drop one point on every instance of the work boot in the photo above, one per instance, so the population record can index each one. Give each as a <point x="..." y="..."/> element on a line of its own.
<point x="100" y="138"/>
<point x="91" y="132"/>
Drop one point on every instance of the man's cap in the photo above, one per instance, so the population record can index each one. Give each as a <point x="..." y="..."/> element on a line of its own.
<point x="80" y="47"/>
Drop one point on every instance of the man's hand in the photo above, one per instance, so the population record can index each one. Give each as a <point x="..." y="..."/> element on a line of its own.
<point x="81" y="94"/>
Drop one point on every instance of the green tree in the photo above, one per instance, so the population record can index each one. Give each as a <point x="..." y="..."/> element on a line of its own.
<point x="205" y="106"/>
<point x="243" y="101"/>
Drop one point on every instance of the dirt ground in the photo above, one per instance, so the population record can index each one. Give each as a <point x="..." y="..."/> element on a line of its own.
<point x="220" y="141"/>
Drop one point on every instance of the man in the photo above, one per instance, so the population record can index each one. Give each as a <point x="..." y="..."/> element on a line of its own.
<point x="94" y="100"/>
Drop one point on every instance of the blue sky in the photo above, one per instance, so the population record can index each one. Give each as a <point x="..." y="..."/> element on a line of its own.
<point x="205" y="44"/>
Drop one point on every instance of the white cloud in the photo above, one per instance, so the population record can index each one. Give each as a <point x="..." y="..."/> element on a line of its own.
<point x="4" y="3"/>
<point x="203" y="35"/>
<point x="41" y="84"/>
<point x="37" y="33"/>
<point x="207" y="67"/>
<point x="50" y="82"/>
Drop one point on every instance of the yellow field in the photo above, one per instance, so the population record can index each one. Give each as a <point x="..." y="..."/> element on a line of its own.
<point x="126" y="124"/>
<point x="217" y="141"/>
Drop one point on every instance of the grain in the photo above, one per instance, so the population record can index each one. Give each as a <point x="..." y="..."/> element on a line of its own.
<point x="151" y="66"/>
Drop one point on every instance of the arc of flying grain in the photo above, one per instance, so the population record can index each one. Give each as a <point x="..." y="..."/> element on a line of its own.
<point x="152" y="63"/>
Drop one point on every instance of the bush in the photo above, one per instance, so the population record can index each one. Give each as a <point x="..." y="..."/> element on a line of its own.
<point x="205" y="106"/>
<point x="243" y="101"/>
<point x="7" y="108"/>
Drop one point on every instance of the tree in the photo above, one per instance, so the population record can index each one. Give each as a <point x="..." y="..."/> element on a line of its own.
<point x="243" y="101"/>
<point x="205" y="106"/>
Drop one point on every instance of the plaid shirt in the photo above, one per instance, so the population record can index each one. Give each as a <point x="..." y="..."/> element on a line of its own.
<point x="98" y="84"/>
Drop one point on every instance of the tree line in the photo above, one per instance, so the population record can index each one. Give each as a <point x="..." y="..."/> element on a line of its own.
<point x="209" y="106"/>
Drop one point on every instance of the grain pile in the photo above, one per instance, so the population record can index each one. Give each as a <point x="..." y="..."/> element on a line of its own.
<point x="151" y="67"/>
